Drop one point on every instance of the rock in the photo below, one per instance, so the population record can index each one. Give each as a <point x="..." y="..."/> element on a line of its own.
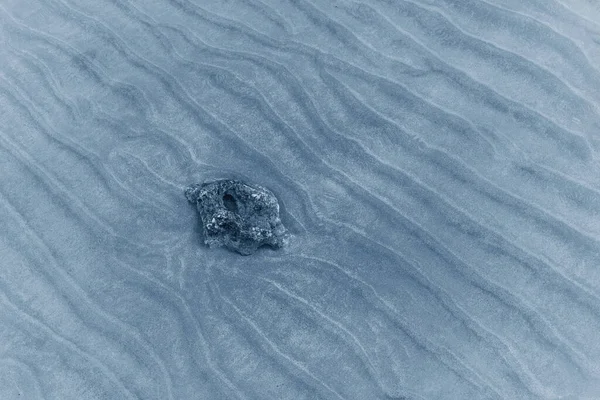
<point x="237" y="215"/>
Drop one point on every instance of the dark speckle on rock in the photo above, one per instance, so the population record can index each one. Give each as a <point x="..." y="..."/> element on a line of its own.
<point x="237" y="215"/>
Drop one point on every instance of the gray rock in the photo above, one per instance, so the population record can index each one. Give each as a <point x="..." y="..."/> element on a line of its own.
<point x="237" y="215"/>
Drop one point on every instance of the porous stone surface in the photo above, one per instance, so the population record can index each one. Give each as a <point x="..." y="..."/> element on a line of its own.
<point x="237" y="215"/>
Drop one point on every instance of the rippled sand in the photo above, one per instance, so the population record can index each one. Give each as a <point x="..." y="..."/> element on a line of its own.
<point x="437" y="164"/>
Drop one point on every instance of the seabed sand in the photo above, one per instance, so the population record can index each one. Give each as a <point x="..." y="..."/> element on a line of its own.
<point x="436" y="165"/>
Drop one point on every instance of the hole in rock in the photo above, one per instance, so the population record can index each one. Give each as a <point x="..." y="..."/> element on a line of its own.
<point x="230" y="203"/>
